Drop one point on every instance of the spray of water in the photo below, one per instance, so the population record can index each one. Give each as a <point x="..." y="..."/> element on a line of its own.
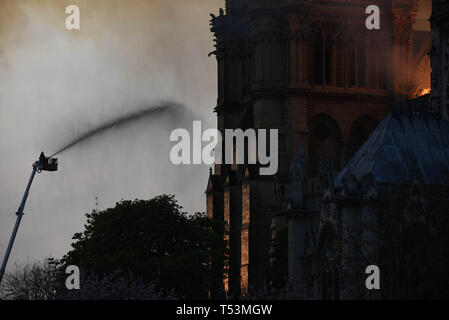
<point x="151" y="112"/>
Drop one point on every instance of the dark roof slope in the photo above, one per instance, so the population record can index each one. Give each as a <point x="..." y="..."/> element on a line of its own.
<point x="402" y="146"/>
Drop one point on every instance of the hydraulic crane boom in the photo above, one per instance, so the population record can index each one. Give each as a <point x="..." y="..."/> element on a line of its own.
<point x="43" y="164"/>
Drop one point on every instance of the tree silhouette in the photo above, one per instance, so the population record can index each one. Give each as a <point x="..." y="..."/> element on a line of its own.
<point x="154" y="241"/>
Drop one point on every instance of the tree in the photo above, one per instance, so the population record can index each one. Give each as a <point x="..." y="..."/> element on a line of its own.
<point x="43" y="280"/>
<point x="154" y="241"/>
<point x="114" y="286"/>
<point x="33" y="280"/>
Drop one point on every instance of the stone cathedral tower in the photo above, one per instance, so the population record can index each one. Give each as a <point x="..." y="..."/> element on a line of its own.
<point x="313" y="71"/>
<point x="440" y="56"/>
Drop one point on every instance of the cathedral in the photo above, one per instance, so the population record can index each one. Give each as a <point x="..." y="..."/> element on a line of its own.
<point x="332" y="88"/>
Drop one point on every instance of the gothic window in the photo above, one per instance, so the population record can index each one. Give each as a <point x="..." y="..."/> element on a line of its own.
<point x="300" y="53"/>
<point x="383" y="67"/>
<point x="323" y="59"/>
<point x="318" y="55"/>
<point x="298" y="56"/>
<point x="336" y="62"/>
<point x="373" y="66"/>
<point x="340" y="62"/>
<point x="360" y="132"/>
<point x="361" y="64"/>
<point x="352" y="67"/>
<point x="325" y="141"/>
<point x="328" y="59"/>
<point x="304" y="48"/>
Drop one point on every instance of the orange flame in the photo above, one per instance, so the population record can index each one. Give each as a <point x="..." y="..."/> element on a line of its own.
<point x="422" y="91"/>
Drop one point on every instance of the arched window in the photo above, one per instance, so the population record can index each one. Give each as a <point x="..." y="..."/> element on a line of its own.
<point x="360" y="132"/>
<point x="325" y="141"/>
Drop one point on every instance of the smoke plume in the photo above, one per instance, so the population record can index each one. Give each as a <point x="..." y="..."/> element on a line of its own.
<point x="57" y="84"/>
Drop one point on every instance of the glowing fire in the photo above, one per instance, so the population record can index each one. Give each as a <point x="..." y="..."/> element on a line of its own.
<point x="422" y="91"/>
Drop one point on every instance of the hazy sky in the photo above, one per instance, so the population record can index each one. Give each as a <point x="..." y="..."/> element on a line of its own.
<point x="55" y="84"/>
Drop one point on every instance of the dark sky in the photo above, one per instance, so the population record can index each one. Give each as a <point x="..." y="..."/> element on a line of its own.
<point x="56" y="83"/>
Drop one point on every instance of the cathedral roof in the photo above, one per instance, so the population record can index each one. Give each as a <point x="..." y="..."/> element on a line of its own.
<point x="403" y="146"/>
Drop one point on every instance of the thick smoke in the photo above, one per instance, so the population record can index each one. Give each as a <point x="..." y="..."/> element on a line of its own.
<point x="57" y="84"/>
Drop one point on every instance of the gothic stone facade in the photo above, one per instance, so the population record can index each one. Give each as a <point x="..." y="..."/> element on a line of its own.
<point x="440" y="56"/>
<point x="313" y="71"/>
